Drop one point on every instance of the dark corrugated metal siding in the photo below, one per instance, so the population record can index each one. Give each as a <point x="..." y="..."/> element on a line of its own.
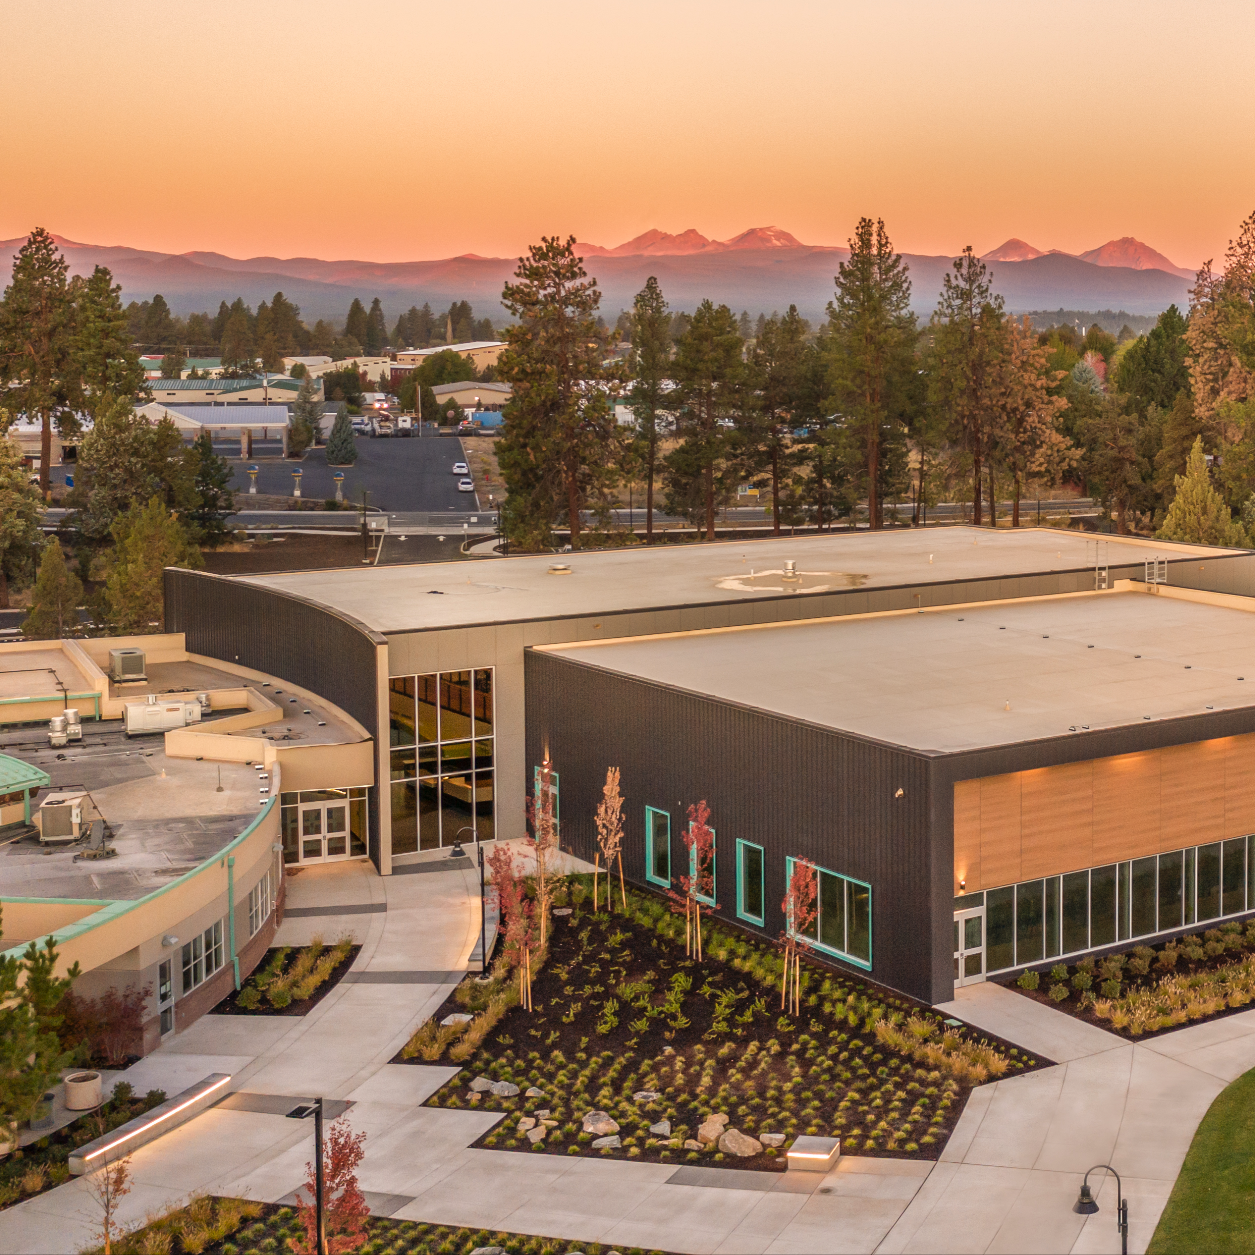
<point x="793" y="789"/>
<point x="285" y="636"/>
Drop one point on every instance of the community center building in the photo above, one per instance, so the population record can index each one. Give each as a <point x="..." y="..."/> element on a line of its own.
<point x="943" y="721"/>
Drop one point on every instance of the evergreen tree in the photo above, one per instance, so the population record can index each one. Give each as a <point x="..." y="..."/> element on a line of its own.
<point x="211" y="477"/>
<point x="1114" y="464"/>
<point x="31" y="1057"/>
<point x="1154" y="370"/>
<point x="1198" y="514"/>
<point x="36" y="341"/>
<point x="21" y="511"/>
<point x="778" y="367"/>
<point x="173" y="364"/>
<point x="218" y="327"/>
<point x="702" y="472"/>
<point x="341" y="447"/>
<point x="872" y="335"/>
<point x="376" y="338"/>
<point x="967" y="340"/>
<point x="104" y="357"/>
<point x="650" y="364"/>
<point x="1181" y="428"/>
<point x="237" y="345"/>
<point x="306" y="417"/>
<point x="266" y="341"/>
<point x="158" y="329"/>
<point x="57" y="596"/>
<point x="355" y="323"/>
<point x="555" y="453"/>
<point x="147" y="539"/>
<point x="322" y="339"/>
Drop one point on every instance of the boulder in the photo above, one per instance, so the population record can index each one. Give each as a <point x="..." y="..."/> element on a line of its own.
<point x="562" y="910"/>
<point x="526" y="1123"/>
<point x="549" y="1124"/>
<point x="599" y="1124"/>
<point x="543" y="1114"/>
<point x="607" y="1143"/>
<point x="712" y="1129"/>
<point x="646" y="1095"/>
<point x="689" y="1144"/>
<point x="734" y="1142"/>
<point x="534" y="1093"/>
<point x="536" y="1135"/>
<point x="503" y="1089"/>
<point x="489" y="1250"/>
<point x="661" y="1129"/>
<point x="480" y="1084"/>
<point x="771" y="1139"/>
<point x="457" y="1017"/>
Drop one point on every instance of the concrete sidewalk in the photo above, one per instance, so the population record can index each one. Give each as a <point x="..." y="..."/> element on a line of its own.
<point x="1006" y="1181"/>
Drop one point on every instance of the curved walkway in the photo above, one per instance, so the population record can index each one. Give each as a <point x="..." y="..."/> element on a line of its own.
<point x="1005" y="1182"/>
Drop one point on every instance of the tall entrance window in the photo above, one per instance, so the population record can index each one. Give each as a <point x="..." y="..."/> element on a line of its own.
<point x="440" y="730"/>
<point x="657" y="847"/>
<point x="750" y="896"/>
<point x="165" y="995"/>
<point x="323" y="825"/>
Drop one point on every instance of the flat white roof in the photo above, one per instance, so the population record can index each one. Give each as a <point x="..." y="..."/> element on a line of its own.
<point x="506" y="590"/>
<point x="963" y="678"/>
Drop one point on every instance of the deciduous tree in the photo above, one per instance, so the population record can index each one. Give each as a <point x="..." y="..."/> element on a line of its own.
<point x="801" y="913"/>
<point x="543" y="840"/>
<point x="345" y="1211"/>
<point x="697" y="882"/>
<point x="610" y="835"/>
<point x="556" y="452"/>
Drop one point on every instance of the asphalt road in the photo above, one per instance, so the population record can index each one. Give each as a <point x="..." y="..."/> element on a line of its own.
<point x="401" y="474"/>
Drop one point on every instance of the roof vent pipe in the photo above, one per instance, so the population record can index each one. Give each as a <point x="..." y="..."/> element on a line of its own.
<point x="790" y="572"/>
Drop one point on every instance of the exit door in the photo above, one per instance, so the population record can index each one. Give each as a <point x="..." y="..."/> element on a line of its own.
<point x="969" y="946"/>
<point x="324" y="832"/>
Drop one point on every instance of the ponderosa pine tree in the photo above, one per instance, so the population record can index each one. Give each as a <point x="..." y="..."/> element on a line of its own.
<point x="237" y="353"/>
<point x="967" y="341"/>
<point x="21" y="512"/>
<point x="57" y="596"/>
<point x="214" y="500"/>
<point x="376" y="330"/>
<point x="872" y="368"/>
<point x="341" y="447"/>
<point x="650" y="364"/>
<point x="710" y="378"/>
<point x="355" y="322"/>
<point x="36" y="341"/>
<point x="158" y="330"/>
<point x="556" y="452"/>
<point x="1113" y="462"/>
<point x="306" y="417"/>
<point x="1198" y="514"/>
<point x="103" y="357"/>
<point x="147" y="539"/>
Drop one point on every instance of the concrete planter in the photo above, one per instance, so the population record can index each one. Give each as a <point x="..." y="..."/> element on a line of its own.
<point x="82" y="1091"/>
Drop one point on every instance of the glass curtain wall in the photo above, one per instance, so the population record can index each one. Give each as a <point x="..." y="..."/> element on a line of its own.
<point x="1037" y="920"/>
<point x="441" y="737"/>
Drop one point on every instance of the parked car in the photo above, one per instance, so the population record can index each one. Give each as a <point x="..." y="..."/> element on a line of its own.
<point x="384" y="426"/>
<point x="460" y="468"/>
<point x="361" y="426"/>
<point x="466" y="485"/>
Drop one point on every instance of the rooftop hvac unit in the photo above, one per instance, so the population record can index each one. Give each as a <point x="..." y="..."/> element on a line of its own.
<point x="65" y="817"/>
<point x="126" y="664"/>
<point x="57" y="731"/>
<point x="155" y="715"/>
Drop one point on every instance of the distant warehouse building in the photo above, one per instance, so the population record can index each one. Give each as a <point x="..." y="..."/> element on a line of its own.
<point x="971" y="734"/>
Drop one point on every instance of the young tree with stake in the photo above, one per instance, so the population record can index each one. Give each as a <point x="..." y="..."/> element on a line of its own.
<point x="344" y="1210"/>
<point x="699" y="882"/>
<point x="610" y="835"/>
<point x="543" y="843"/>
<point x="800" y="914"/>
<point x="109" y="1185"/>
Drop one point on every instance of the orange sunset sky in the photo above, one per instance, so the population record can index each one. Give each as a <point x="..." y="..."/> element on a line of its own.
<point x="405" y="129"/>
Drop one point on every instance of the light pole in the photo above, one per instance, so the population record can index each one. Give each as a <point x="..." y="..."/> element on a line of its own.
<point x="365" y="530"/>
<point x="303" y="1112"/>
<point x="1086" y="1205"/>
<point x="252" y="479"/>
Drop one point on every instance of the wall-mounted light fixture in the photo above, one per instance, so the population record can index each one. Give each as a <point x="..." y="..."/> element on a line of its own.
<point x="899" y="793"/>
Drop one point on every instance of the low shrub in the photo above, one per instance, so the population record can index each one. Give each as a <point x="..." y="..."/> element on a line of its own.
<point x="1029" y="980"/>
<point x="1059" y="992"/>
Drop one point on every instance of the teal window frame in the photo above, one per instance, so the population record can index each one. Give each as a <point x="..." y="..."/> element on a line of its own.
<point x="713" y="900"/>
<point x="650" y="812"/>
<point x="844" y="955"/>
<point x="555" y="789"/>
<point x="741" y="879"/>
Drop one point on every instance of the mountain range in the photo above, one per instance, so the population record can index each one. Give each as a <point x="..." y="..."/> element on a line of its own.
<point x="764" y="268"/>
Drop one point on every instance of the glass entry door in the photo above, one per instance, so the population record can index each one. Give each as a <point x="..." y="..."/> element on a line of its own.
<point x="969" y="946"/>
<point x="324" y="832"/>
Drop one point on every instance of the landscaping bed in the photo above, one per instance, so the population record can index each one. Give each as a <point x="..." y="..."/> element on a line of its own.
<point x="234" y="1226"/>
<point x="291" y="980"/>
<point x="1146" y="990"/>
<point x="675" y="1053"/>
<point x="41" y="1165"/>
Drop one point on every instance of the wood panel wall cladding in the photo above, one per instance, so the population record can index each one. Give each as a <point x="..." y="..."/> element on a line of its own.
<point x="1061" y="819"/>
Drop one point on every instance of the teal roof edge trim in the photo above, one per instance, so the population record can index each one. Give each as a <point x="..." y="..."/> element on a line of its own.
<point x="114" y="910"/>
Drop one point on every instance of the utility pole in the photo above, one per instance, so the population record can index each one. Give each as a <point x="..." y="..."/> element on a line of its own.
<point x="365" y="529"/>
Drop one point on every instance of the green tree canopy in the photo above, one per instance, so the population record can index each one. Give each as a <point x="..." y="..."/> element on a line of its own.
<point x="306" y="417"/>
<point x="21" y="511"/>
<point x="158" y="330"/>
<point x="376" y="339"/>
<point x="355" y="322"/>
<point x="341" y="447"/>
<point x="57" y="597"/>
<point x="147" y="539"/>
<point x="650" y="328"/>
<point x="1198" y="514"/>
<point x="104" y="359"/>
<point x="1153" y="370"/>
<point x="556" y="451"/>
<point x="213" y="498"/>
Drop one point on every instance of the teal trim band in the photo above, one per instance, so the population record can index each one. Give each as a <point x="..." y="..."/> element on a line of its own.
<point x="235" y="958"/>
<point x="53" y="697"/>
<point x="114" y="910"/>
<point x="57" y="901"/>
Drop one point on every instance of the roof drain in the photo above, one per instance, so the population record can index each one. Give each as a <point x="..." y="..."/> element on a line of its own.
<point x="559" y="568"/>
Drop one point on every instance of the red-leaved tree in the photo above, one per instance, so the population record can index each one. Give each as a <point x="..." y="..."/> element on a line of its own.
<point x="516" y="918"/>
<point x="344" y="1207"/>
<point x="543" y="842"/>
<point x="610" y="835"/>
<point x="801" y="908"/>
<point x="699" y="880"/>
